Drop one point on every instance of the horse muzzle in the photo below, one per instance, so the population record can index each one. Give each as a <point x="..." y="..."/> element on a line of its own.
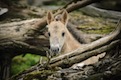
<point x="55" y="50"/>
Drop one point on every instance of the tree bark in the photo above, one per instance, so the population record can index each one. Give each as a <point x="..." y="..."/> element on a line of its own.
<point x="18" y="38"/>
<point x="5" y="65"/>
<point x="94" y="11"/>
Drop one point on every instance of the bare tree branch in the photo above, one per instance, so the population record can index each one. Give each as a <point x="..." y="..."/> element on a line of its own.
<point x="81" y="57"/>
<point x="27" y="31"/>
<point x="69" y="7"/>
<point x="87" y="47"/>
<point x="102" y="45"/>
<point x="79" y="4"/>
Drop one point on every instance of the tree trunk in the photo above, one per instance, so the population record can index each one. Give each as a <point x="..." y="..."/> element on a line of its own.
<point x="5" y="65"/>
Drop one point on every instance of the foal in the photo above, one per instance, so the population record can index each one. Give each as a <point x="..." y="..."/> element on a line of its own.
<point x="61" y="40"/>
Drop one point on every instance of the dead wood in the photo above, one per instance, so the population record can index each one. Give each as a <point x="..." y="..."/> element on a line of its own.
<point x="94" y="11"/>
<point x="104" y="44"/>
<point x="78" y="4"/>
<point x="108" y="68"/>
<point x="17" y="38"/>
<point x="25" y="38"/>
<point x="69" y="8"/>
<point x="85" y="38"/>
<point x="67" y="62"/>
<point x="20" y="38"/>
<point x="27" y="32"/>
<point x="87" y="47"/>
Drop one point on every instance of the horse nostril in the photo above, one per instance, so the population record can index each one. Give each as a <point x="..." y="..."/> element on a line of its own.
<point x="55" y="50"/>
<point x="58" y="49"/>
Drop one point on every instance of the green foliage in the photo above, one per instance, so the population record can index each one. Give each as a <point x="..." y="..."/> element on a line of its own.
<point x="20" y="63"/>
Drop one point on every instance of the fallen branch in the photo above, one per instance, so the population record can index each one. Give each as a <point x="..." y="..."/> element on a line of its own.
<point x="17" y="38"/>
<point x="82" y="37"/>
<point x="83" y="56"/>
<point x="66" y="60"/>
<point x="98" y="12"/>
<point x="87" y="47"/>
<point x="69" y="8"/>
<point x="27" y="31"/>
<point x="79" y="4"/>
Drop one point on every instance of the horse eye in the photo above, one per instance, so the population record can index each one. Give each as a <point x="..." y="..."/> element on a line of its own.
<point x="63" y="34"/>
<point x="48" y="33"/>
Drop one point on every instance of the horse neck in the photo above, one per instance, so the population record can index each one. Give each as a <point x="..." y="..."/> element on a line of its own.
<point x="70" y="44"/>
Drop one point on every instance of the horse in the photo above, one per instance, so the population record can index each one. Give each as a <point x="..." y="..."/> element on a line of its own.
<point x="61" y="40"/>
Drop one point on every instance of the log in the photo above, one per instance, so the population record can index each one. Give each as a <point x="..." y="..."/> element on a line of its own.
<point x="26" y="32"/>
<point x="104" y="44"/>
<point x="18" y="38"/>
<point x="94" y="11"/>
<point x="24" y="37"/>
<point x="82" y="37"/>
<point x="78" y="4"/>
<point x="68" y="62"/>
<point x="109" y="68"/>
<point x="88" y="47"/>
<point x="73" y="60"/>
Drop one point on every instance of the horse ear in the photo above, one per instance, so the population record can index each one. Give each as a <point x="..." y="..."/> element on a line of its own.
<point x="50" y="17"/>
<point x="64" y="17"/>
